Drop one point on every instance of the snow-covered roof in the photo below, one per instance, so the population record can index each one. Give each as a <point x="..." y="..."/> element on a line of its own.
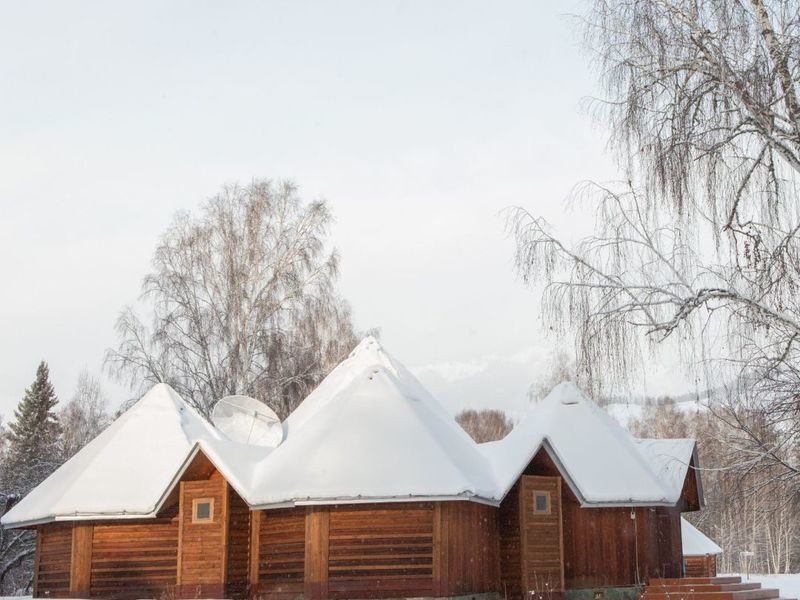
<point x="369" y="432"/>
<point x="695" y="542"/>
<point x="599" y="459"/>
<point x="124" y="471"/>
<point x="670" y="460"/>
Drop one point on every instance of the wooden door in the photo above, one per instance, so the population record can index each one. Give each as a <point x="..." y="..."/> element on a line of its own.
<point x="202" y="539"/>
<point x="541" y="534"/>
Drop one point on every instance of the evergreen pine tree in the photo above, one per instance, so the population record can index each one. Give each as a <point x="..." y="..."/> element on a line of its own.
<point x="32" y="451"/>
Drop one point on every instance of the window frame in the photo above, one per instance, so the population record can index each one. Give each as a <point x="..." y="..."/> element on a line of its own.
<point x="548" y="504"/>
<point x="203" y="520"/>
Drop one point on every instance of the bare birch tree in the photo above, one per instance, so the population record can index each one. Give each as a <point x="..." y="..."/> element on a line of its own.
<point x="750" y="511"/>
<point x="485" y="425"/>
<point x="242" y="300"/>
<point x="700" y="246"/>
<point x="84" y="416"/>
<point x="560" y="367"/>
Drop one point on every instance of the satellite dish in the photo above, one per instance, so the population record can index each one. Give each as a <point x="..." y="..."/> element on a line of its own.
<point x="246" y="420"/>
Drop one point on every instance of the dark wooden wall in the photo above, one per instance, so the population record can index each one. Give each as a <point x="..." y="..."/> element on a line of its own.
<point x="53" y="560"/>
<point x="466" y="548"/>
<point x="700" y="566"/>
<point x="359" y="551"/>
<point x="213" y="557"/>
<point x="508" y="522"/>
<point x="238" y="547"/>
<point x="531" y="547"/>
<point x="541" y="536"/>
<point x="152" y="557"/>
<point x="376" y="551"/>
<point x="133" y="560"/>
<point x="201" y="546"/>
<point x="602" y="546"/>
<point x="278" y="538"/>
<point x="606" y="547"/>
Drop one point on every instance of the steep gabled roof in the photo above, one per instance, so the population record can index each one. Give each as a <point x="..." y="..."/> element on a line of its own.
<point x="378" y="435"/>
<point x="124" y="471"/>
<point x="695" y="542"/>
<point x="369" y="432"/>
<point x="670" y="460"/>
<point x="369" y="353"/>
<point x="601" y="461"/>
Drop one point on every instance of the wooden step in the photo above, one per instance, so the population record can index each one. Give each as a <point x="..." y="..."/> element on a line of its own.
<point x="703" y="587"/>
<point x="693" y="580"/>
<point x="758" y="594"/>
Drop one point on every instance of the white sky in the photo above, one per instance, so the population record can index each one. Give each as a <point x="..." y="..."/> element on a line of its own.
<point x="418" y="121"/>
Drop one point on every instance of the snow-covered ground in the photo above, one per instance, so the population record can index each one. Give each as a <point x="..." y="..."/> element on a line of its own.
<point x="789" y="585"/>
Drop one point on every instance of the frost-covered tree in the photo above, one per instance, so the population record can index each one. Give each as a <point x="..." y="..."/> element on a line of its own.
<point x="699" y="246"/>
<point x="84" y="416"/>
<point x="31" y="452"/>
<point x="560" y="367"/>
<point x="745" y="511"/>
<point x="241" y="300"/>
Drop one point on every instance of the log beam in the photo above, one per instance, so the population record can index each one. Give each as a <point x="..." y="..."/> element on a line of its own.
<point x="316" y="556"/>
<point x="81" y="560"/>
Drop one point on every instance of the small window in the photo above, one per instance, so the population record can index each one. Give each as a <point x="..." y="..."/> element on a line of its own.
<point x="541" y="503"/>
<point x="202" y="510"/>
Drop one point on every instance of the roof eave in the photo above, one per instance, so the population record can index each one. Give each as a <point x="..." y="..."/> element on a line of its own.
<point x="375" y="500"/>
<point x="93" y="516"/>
<point x="628" y="504"/>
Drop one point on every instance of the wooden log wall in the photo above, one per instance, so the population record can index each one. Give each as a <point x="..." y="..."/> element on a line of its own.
<point x="606" y="547"/>
<point x="700" y="566"/>
<point x="357" y="551"/>
<point x="380" y="552"/>
<point x="542" y="563"/>
<point x="134" y="559"/>
<point x="53" y="560"/>
<point x="278" y="538"/>
<point x="669" y="546"/>
<point x="602" y="546"/>
<point x="466" y="549"/>
<point x="201" y="545"/>
<point x="375" y="551"/>
<point x="508" y="525"/>
<point x="81" y="559"/>
<point x="238" y="544"/>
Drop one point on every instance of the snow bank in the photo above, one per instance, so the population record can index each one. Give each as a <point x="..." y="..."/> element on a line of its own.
<point x="788" y="584"/>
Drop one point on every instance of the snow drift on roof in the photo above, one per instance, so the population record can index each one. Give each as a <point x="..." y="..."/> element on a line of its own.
<point x="669" y="459"/>
<point x="126" y="469"/>
<point x="369" y="353"/>
<point x="598" y="458"/>
<point x="369" y="432"/>
<point x="695" y="542"/>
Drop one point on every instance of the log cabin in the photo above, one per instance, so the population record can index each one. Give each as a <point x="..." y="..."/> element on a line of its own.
<point x="699" y="552"/>
<point x="374" y="492"/>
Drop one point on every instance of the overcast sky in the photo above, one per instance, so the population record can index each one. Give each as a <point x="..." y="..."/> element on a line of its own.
<point x="418" y="121"/>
